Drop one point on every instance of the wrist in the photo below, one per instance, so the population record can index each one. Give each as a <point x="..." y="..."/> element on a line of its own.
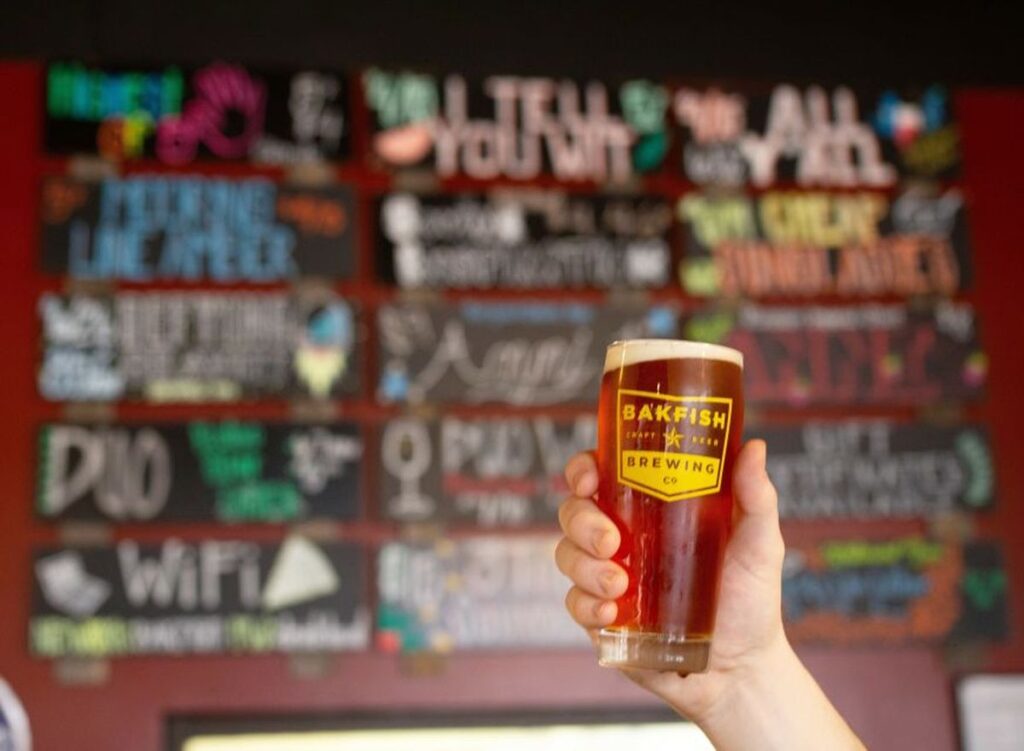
<point x="749" y="686"/>
<point x="771" y="698"/>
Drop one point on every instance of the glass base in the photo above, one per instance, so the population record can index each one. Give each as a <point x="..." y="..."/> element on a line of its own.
<point x="651" y="651"/>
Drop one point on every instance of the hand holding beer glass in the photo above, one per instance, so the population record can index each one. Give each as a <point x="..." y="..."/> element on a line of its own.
<point x="673" y="545"/>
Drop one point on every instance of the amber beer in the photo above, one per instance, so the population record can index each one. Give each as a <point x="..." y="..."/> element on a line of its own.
<point x="670" y="416"/>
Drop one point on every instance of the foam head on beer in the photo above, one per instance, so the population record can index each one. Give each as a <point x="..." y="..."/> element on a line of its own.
<point x="632" y="351"/>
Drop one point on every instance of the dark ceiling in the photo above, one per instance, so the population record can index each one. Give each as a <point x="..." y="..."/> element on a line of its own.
<point x="967" y="43"/>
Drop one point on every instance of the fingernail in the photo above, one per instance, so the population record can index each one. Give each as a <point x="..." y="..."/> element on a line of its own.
<point x="574" y="481"/>
<point x="600" y="542"/>
<point x="603" y="612"/>
<point x="609" y="582"/>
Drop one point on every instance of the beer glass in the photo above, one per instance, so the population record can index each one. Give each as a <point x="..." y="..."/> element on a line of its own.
<point x="670" y="417"/>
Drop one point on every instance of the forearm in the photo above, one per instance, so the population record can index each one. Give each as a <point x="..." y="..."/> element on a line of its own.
<point x="778" y="707"/>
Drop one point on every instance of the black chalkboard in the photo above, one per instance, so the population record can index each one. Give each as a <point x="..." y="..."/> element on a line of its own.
<point x="984" y="595"/>
<point x="516" y="127"/>
<point x="513" y="353"/>
<point x="871" y="354"/>
<point x="894" y="591"/>
<point x="523" y="239"/>
<point x="220" y="111"/>
<point x="198" y="471"/>
<point x="479" y="472"/>
<point x="190" y="228"/>
<point x="503" y="593"/>
<point x="197" y="346"/>
<point x="876" y="469"/>
<point x="818" y="243"/>
<point x="213" y="596"/>
<point x="474" y="593"/>
<point x="814" y="135"/>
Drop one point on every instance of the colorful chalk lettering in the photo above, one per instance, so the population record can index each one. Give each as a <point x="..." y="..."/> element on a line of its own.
<point x="485" y="473"/>
<point x="813" y="136"/>
<point x="523" y="240"/>
<point x="475" y="593"/>
<point x="209" y="597"/>
<point x="894" y="591"/>
<point x="878" y="469"/>
<point x="191" y="228"/>
<point x="491" y="593"/>
<point x="181" y="472"/>
<point x="816" y="243"/>
<point x="844" y="355"/>
<point x="516" y="127"/>
<point x="511" y="353"/>
<point x="196" y="346"/>
<point x="176" y="115"/>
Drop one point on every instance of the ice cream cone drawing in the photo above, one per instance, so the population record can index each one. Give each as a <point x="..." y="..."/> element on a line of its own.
<point x="322" y="357"/>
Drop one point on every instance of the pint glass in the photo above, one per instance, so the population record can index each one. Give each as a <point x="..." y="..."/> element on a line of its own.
<point x="670" y="417"/>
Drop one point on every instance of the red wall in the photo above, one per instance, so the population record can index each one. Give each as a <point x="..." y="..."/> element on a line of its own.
<point x="896" y="698"/>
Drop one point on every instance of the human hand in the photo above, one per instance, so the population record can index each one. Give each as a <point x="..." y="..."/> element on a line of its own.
<point x="748" y="636"/>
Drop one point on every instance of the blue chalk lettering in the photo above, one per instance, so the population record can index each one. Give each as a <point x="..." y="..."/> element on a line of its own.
<point x="151" y="96"/>
<point x="181" y="258"/>
<point x="120" y="254"/>
<point x="219" y="254"/>
<point x="117" y="91"/>
<point x="533" y="313"/>
<point x="115" y="254"/>
<point x="184" y="206"/>
<point x="871" y="591"/>
<point x="185" y="228"/>
<point x="82" y="95"/>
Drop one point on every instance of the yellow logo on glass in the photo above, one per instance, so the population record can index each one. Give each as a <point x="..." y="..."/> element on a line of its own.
<point x="672" y="447"/>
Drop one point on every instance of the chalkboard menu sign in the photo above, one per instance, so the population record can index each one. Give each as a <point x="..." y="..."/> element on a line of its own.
<point x="213" y="596"/>
<point x="519" y="224"/>
<point x="817" y="243"/>
<point x="481" y="472"/>
<point x="199" y="471"/>
<point x="878" y="469"/>
<point x="908" y="589"/>
<point x="190" y="228"/>
<point x="523" y="127"/>
<point x="477" y="593"/>
<point x="515" y="127"/>
<point x="219" y="111"/>
<point x="873" y="354"/>
<point x="814" y="136"/>
<point x="513" y="353"/>
<point x="523" y="240"/>
<point x="196" y="346"/>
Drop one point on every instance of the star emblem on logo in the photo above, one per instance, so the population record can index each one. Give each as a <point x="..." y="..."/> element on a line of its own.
<point x="673" y="438"/>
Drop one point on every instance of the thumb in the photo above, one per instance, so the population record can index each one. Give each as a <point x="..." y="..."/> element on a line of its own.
<point x="756" y="538"/>
<point x="752" y="487"/>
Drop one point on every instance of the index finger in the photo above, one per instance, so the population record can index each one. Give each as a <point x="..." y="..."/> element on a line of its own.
<point x="588" y="527"/>
<point x="581" y="474"/>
